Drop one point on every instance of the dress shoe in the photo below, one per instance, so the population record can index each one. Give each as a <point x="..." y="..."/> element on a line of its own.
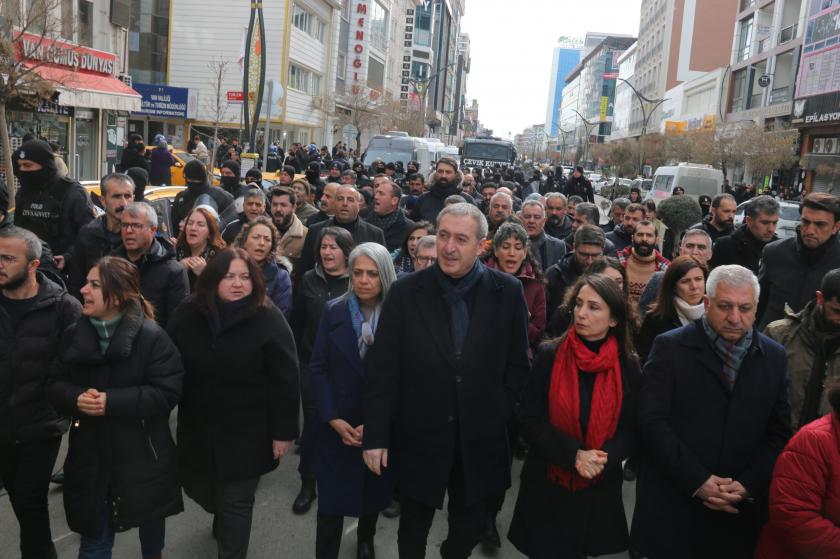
<point x="303" y="502"/>
<point x="364" y="550"/>
<point x="58" y="477"/>
<point x="392" y="510"/>
<point x="490" y="538"/>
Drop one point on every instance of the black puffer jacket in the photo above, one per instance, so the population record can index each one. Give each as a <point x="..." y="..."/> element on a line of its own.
<point x="163" y="280"/>
<point x="311" y="296"/>
<point x="580" y="186"/>
<point x="741" y="248"/>
<point x="26" y="354"/>
<point x="241" y="392"/>
<point x="185" y="200"/>
<point x="126" y="456"/>
<point x="94" y="242"/>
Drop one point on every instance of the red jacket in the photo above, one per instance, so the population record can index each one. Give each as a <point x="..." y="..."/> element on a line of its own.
<point x="805" y="496"/>
<point x="534" y="297"/>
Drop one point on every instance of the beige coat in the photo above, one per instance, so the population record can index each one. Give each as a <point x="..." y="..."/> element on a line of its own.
<point x="291" y="243"/>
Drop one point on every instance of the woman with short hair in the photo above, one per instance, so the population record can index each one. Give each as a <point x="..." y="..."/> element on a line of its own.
<point x="198" y="242"/>
<point x="119" y="378"/>
<point x="403" y="257"/>
<point x="337" y="368"/>
<point x="239" y="412"/>
<point x="259" y="237"/>
<point x="578" y="413"/>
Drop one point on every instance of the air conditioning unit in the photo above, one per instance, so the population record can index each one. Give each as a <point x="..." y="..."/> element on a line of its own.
<point x="126" y="79"/>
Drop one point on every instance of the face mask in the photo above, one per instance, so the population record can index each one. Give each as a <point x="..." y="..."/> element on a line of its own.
<point x="35" y="179"/>
<point x="230" y="182"/>
<point x="196" y="185"/>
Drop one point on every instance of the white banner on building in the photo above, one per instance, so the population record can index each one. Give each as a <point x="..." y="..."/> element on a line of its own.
<point x="358" y="46"/>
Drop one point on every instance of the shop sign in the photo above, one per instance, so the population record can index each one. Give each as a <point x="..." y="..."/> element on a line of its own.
<point x="358" y="46"/>
<point x="408" y="46"/>
<point x="53" y="108"/>
<point x="819" y="109"/>
<point x="235" y="96"/>
<point x="163" y="101"/>
<point x="58" y="53"/>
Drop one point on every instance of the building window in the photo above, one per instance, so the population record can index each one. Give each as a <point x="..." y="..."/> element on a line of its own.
<point x="304" y="80"/>
<point x="310" y="24"/>
<point x="739" y="90"/>
<point x="67" y="19"/>
<point x="745" y="30"/>
<point x="85" y="23"/>
<point x="341" y="66"/>
<point x="149" y="40"/>
<point x="379" y="27"/>
<point x="36" y="16"/>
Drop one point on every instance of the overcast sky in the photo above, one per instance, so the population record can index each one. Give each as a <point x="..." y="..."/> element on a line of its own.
<point x="511" y="44"/>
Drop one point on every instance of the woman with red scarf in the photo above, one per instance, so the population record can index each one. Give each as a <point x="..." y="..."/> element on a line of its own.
<point x="578" y="414"/>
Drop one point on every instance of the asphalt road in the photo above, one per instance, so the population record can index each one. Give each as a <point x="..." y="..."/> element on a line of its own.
<point x="276" y="532"/>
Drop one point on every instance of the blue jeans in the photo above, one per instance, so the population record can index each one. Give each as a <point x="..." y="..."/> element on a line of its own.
<point x="152" y="535"/>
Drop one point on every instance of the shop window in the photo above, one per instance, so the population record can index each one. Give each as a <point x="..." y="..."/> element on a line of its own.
<point x="85" y="19"/>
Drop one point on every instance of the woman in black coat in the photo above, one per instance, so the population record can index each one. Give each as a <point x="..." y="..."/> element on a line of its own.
<point x="680" y="301"/>
<point x="239" y="412"/>
<point x="337" y="371"/>
<point x="577" y="413"/>
<point x="329" y="279"/>
<point x="119" y="378"/>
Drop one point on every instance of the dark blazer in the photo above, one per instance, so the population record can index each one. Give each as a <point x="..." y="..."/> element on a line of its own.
<point x="422" y="401"/>
<point x="653" y="326"/>
<point x="548" y="249"/>
<point x="549" y="520"/>
<point x="691" y="426"/>
<point x="240" y="393"/>
<point x="741" y="248"/>
<point x="126" y="456"/>
<point x="346" y="487"/>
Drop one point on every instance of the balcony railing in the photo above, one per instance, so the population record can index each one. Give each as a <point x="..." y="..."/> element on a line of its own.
<point x="788" y="33"/>
<point x="781" y="95"/>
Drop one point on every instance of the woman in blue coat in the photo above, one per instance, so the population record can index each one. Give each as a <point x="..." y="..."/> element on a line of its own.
<point x="337" y="372"/>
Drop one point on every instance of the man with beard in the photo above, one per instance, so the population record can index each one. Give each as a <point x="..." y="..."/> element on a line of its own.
<point x="791" y="269"/>
<point x="579" y="185"/>
<point x="54" y="208"/>
<point x="501" y="208"/>
<point x="641" y="259"/>
<point x="346" y="208"/>
<point x="101" y="236"/>
<point x="35" y="313"/>
<point x="744" y="245"/>
<point x="195" y="175"/>
<point x="468" y="185"/>
<point x="548" y="249"/>
<point x="443" y="183"/>
<point x="286" y="175"/>
<point x="559" y="223"/>
<point x="230" y="181"/>
<point x="622" y="234"/>
<point x="292" y="230"/>
<point x="488" y="189"/>
<point x="721" y="218"/>
<point x="387" y="214"/>
<point x="253" y="206"/>
<point x="163" y="281"/>
<point x="811" y="339"/>
<point x="416" y="184"/>
<point x="326" y="209"/>
<point x="305" y="199"/>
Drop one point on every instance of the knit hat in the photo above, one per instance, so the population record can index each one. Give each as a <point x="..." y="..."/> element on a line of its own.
<point x="254" y="174"/>
<point x="37" y="151"/>
<point x="290" y="170"/>
<point x="194" y="171"/>
<point x="234" y="167"/>
<point x="336" y="165"/>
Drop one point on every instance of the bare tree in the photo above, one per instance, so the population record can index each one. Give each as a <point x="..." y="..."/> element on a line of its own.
<point x="767" y="150"/>
<point x="20" y="81"/>
<point x="217" y="105"/>
<point x="403" y="116"/>
<point x="363" y="111"/>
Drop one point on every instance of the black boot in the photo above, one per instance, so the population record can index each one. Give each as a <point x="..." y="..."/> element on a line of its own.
<point x="393" y="510"/>
<point x="303" y="502"/>
<point x="490" y="538"/>
<point x="58" y="477"/>
<point x="364" y="550"/>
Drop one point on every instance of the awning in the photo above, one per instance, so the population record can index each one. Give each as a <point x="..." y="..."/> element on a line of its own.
<point x="81" y="89"/>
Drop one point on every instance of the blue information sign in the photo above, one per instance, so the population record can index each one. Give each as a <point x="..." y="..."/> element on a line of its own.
<point x="162" y="101"/>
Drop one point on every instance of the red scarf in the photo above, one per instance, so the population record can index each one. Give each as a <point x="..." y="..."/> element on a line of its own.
<point x="564" y="399"/>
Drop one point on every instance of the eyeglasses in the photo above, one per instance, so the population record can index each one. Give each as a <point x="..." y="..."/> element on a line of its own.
<point x="8" y="259"/>
<point x="132" y="226"/>
<point x="426" y="259"/>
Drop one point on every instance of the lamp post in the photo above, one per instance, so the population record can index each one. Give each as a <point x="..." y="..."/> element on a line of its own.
<point x="565" y="134"/>
<point x="648" y="107"/>
<point x="589" y="127"/>
<point x="421" y="88"/>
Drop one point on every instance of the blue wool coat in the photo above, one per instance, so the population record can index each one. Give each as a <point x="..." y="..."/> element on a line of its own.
<point x="345" y="485"/>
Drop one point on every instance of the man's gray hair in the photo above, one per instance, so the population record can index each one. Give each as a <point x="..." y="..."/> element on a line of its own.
<point x="733" y="276"/>
<point x="34" y="247"/>
<point x="500" y="195"/>
<point x="454" y="199"/>
<point x="142" y="209"/>
<point x="590" y="235"/>
<point x="536" y="203"/>
<point x="429" y="241"/>
<point x="762" y="205"/>
<point x="254" y="193"/>
<point x="697" y="233"/>
<point x="114" y="177"/>
<point x="465" y="209"/>
<point x="382" y="258"/>
<point x="590" y="210"/>
<point x="621" y="203"/>
<point x="553" y="195"/>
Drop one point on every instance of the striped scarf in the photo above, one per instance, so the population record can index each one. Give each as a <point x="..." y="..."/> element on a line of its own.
<point x="732" y="354"/>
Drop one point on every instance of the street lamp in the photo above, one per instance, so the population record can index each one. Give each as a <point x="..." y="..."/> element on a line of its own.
<point x="646" y="104"/>
<point x="421" y="88"/>
<point x="589" y="127"/>
<point x="565" y="134"/>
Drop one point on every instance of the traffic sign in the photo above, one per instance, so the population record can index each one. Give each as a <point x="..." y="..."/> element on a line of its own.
<point x="235" y="96"/>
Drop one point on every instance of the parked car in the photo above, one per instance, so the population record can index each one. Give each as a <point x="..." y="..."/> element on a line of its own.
<point x="788" y="218"/>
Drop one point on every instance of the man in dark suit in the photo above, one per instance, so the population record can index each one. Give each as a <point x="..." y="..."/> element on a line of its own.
<point x="450" y="355"/>
<point x="713" y="416"/>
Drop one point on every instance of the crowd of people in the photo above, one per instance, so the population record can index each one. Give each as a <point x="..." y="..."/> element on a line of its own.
<point x="427" y="329"/>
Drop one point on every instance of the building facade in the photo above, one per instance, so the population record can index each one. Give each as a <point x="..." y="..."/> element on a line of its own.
<point x="565" y="57"/>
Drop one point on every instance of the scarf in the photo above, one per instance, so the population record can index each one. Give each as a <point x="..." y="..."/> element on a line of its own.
<point x="363" y="328"/>
<point x="573" y="357"/>
<point x="688" y="313"/>
<point x="384" y="222"/>
<point x="732" y="354"/>
<point x="455" y="295"/>
<point x="105" y="329"/>
<point x="224" y="311"/>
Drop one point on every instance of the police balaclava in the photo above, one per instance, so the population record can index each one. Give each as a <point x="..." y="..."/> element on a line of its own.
<point x="37" y="151"/>
<point x="231" y="184"/>
<point x="196" y="175"/>
<point x="141" y="178"/>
